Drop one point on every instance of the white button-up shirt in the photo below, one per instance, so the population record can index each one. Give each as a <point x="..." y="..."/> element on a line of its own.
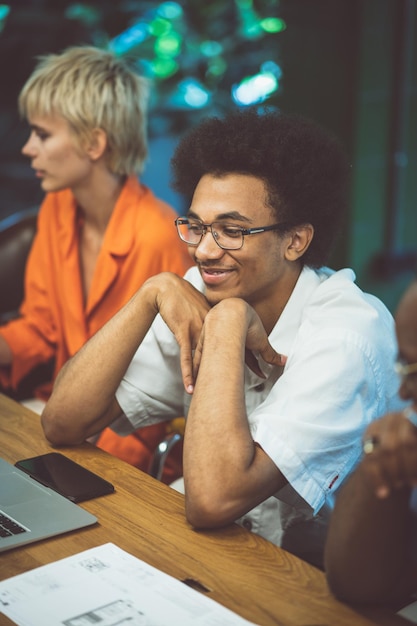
<point x="308" y="416"/>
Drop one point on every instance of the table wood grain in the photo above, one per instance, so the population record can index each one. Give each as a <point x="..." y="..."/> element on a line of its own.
<point x="235" y="567"/>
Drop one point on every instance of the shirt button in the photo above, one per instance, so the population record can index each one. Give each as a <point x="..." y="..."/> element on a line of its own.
<point x="247" y="524"/>
<point x="260" y="387"/>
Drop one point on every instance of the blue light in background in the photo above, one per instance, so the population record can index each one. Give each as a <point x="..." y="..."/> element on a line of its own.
<point x="272" y="68"/>
<point x="130" y="38"/>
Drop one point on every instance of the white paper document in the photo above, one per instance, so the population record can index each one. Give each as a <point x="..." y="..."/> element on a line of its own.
<point x="106" y="586"/>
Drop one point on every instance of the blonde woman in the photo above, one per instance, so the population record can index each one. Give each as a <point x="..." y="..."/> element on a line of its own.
<point x="101" y="233"/>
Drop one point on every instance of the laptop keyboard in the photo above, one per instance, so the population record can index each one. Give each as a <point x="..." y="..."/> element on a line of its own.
<point x="9" y="527"/>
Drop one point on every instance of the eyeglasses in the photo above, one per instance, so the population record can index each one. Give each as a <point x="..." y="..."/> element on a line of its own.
<point x="227" y="236"/>
<point x="404" y="369"/>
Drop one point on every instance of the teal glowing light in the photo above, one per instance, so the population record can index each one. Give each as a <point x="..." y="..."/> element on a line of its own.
<point x="4" y="11"/>
<point x="192" y="94"/>
<point x="273" y="25"/>
<point x="170" y="10"/>
<point x="86" y="14"/>
<point x="211" y="48"/>
<point x="254" y="89"/>
<point x="250" y="26"/>
<point x="270" y="67"/>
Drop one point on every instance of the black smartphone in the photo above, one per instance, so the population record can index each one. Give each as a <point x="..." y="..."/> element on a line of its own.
<point x="65" y="476"/>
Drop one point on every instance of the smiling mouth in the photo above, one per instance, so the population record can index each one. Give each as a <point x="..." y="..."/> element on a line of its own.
<point x="213" y="276"/>
<point x="206" y="271"/>
<point x="214" y="270"/>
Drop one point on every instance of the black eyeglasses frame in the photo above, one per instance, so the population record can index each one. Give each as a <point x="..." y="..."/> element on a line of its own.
<point x="244" y="231"/>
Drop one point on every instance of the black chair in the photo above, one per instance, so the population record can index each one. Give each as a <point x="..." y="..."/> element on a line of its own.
<point x="16" y="235"/>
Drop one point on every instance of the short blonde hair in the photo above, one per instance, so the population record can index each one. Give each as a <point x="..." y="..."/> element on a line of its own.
<point x="92" y="88"/>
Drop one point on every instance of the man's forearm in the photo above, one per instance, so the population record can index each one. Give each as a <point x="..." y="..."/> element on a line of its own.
<point x="225" y="473"/>
<point x="367" y="546"/>
<point x="83" y="400"/>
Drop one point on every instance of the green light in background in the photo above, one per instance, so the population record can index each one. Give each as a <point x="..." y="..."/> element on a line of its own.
<point x="163" y="68"/>
<point x="216" y="67"/>
<point x="273" y="25"/>
<point x="168" y="45"/>
<point x="244" y="4"/>
<point x="159" y="27"/>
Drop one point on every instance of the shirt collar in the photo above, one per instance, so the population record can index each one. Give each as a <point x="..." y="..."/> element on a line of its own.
<point x="285" y="330"/>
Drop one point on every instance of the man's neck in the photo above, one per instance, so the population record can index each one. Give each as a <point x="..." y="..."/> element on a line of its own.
<point x="271" y="308"/>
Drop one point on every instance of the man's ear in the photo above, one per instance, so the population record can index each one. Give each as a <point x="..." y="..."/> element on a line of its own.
<point x="97" y="144"/>
<point x="298" y="242"/>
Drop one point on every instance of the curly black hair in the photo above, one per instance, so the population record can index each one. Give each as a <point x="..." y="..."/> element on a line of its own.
<point x="304" y="168"/>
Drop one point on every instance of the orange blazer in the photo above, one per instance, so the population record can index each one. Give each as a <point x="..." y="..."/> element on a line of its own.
<point x="140" y="241"/>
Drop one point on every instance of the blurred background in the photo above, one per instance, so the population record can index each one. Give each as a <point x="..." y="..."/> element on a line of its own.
<point x="348" y="64"/>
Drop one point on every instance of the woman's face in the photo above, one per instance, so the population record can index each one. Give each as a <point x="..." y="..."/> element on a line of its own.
<point x="55" y="154"/>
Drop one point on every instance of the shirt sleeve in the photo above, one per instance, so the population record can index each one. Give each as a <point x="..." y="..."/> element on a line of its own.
<point x="151" y="390"/>
<point x="311" y="423"/>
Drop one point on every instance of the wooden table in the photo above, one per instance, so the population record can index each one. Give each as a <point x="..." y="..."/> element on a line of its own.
<point x="238" y="569"/>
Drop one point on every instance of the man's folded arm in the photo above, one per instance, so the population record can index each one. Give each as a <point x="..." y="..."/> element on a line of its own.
<point x="83" y="398"/>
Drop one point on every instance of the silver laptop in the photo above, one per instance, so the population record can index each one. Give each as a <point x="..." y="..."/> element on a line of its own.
<point x="30" y="512"/>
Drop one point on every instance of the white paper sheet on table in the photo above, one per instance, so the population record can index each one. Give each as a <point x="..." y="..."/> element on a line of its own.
<point x="107" y="586"/>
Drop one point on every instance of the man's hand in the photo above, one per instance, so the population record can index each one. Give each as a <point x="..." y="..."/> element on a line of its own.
<point x="183" y="308"/>
<point x="83" y="400"/>
<point x="390" y="460"/>
<point x="256" y="341"/>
